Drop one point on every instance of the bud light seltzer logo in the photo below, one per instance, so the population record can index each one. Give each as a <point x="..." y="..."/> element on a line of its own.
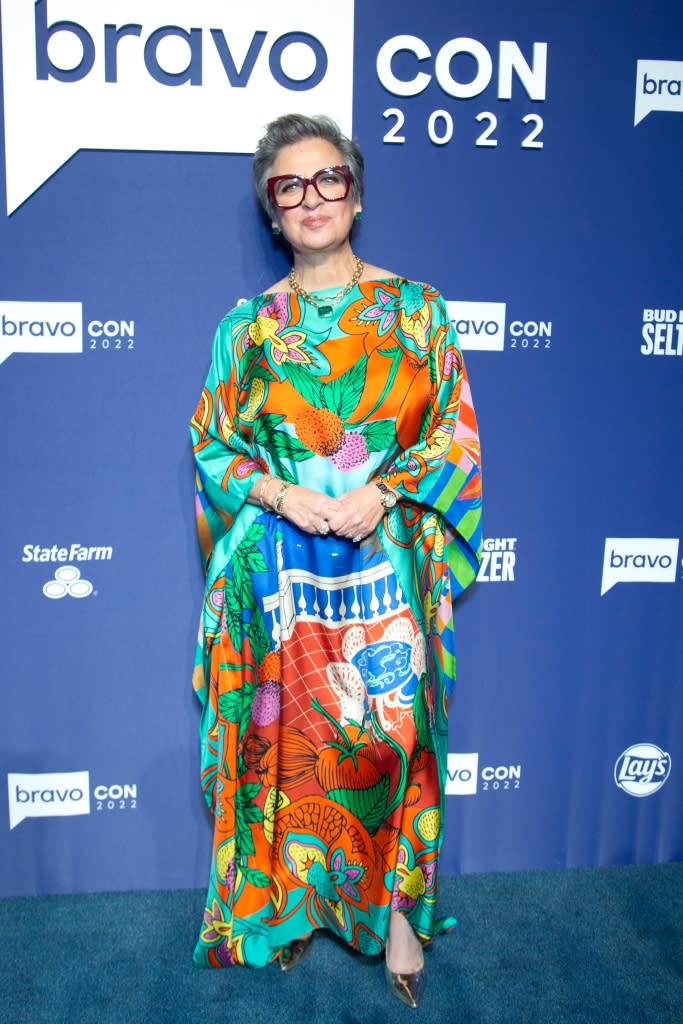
<point x="163" y="75"/>
<point x="642" y="769"/>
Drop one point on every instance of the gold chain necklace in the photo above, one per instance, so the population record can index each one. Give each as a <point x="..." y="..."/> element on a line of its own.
<point x="325" y="304"/>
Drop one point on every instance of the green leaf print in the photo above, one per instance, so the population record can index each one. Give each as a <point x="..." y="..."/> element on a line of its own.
<point x="258" y="370"/>
<point x="303" y="381"/>
<point x="370" y="805"/>
<point x="232" y="705"/>
<point x="233" y="614"/>
<point x="264" y="427"/>
<point x="352" y="384"/>
<point x="255" y="877"/>
<point x="245" y="841"/>
<point x="284" y="446"/>
<point x="380" y="435"/>
<point x="244" y="587"/>
<point x="253" y="559"/>
<point x="258" y="635"/>
<point x="421" y="715"/>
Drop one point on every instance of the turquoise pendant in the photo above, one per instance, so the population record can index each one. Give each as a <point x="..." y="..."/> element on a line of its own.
<point x="325" y="310"/>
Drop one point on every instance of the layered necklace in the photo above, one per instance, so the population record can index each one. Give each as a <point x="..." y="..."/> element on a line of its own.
<point x="325" y="303"/>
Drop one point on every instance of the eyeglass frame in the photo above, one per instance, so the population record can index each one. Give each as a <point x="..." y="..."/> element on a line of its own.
<point x="346" y="173"/>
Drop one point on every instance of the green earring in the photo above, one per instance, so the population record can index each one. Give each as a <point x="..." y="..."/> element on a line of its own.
<point x="275" y="229"/>
<point x="358" y="215"/>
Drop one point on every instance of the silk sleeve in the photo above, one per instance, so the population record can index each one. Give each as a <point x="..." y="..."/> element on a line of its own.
<point x="442" y="470"/>
<point x="225" y="463"/>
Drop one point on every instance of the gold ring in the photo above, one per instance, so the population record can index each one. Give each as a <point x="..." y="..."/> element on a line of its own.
<point x="324" y="529"/>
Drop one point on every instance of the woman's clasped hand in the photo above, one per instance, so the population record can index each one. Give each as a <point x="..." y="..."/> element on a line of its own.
<point x="353" y="515"/>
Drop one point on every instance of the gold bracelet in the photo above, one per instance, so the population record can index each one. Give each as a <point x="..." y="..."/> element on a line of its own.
<point x="279" y="498"/>
<point x="268" y="503"/>
<point x="264" y="483"/>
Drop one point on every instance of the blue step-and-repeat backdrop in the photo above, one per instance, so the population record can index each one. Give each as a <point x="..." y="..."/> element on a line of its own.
<point x="524" y="158"/>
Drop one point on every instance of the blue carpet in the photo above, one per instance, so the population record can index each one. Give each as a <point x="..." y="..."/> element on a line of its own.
<point x="597" y="946"/>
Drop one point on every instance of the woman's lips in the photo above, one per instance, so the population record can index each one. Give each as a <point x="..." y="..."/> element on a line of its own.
<point x="314" y="222"/>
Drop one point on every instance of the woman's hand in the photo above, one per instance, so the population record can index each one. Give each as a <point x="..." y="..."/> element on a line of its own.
<point x="309" y="510"/>
<point x="358" y="512"/>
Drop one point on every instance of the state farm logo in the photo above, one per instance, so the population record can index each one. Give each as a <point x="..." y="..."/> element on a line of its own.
<point x="642" y="769"/>
<point x="68" y="580"/>
<point x="639" y="560"/>
<point x="659" y="86"/>
<point x="662" y="332"/>
<point x="152" y="76"/>
<point x="498" y="560"/>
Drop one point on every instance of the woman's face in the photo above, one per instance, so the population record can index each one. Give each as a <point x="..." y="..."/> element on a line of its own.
<point x="317" y="226"/>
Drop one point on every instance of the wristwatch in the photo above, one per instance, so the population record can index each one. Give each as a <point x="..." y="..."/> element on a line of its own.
<point x="387" y="496"/>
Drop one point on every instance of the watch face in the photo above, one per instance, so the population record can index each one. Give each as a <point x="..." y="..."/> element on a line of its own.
<point x="389" y="499"/>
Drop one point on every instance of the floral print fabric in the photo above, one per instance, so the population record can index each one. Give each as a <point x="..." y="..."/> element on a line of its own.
<point x="323" y="666"/>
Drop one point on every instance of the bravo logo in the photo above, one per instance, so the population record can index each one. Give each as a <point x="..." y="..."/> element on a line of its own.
<point x="659" y="86"/>
<point x="47" y="795"/>
<point x="163" y="75"/>
<point x="642" y="769"/>
<point x="40" y="327"/>
<point x="479" y="325"/>
<point x="662" y="332"/>
<point x="461" y="774"/>
<point x="639" y="560"/>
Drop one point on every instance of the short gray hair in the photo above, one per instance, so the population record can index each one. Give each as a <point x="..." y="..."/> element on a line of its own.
<point x="292" y="128"/>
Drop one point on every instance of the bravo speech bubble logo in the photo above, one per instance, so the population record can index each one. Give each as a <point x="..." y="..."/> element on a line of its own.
<point x="40" y="327"/>
<point x="639" y="560"/>
<point x="163" y="76"/>
<point x="47" y="795"/>
<point x="479" y="325"/>
<point x="659" y="86"/>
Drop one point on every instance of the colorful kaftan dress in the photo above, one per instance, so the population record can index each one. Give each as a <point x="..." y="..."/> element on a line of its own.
<point x="324" y="665"/>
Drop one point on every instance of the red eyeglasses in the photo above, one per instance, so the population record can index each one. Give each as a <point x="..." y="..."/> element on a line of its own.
<point x="331" y="184"/>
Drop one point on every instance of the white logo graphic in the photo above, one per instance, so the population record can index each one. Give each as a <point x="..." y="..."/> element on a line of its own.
<point x="642" y="769"/>
<point x="639" y="560"/>
<point x="461" y="774"/>
<point x="67" y="581"/>
<point x="40" y="327"/>
<point x="498" y="559"/>
<point x="532" y="76"/>
<point x="531" y="333"/>
<point x="662" y="332"/>
<point x="74" y="553"/>
<point x="479" y="325"/>
<point x="163" y="75"/>
<point x="47" y="795"/>
<point x="659" y="86"/>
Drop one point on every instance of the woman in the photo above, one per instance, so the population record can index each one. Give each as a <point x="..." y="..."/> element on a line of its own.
<point x="338" y="498"/>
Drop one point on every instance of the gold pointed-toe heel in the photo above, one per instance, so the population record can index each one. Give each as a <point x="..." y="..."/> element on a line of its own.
<point x="295" y="952"/>
<point x="407" y="988"/>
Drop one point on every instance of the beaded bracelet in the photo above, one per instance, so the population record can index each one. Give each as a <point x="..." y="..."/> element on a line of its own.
<point x="279" y="498"/>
